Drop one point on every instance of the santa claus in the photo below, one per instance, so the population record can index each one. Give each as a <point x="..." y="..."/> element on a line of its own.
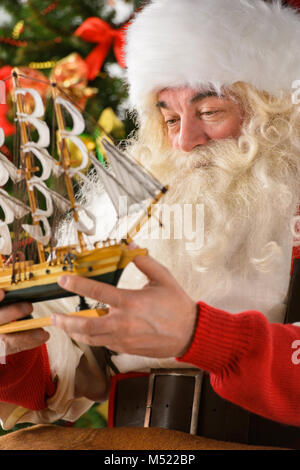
<point x="214" y="85"/>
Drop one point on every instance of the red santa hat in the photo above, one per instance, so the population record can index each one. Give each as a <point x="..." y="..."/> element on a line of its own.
<point x="212" y="44"/>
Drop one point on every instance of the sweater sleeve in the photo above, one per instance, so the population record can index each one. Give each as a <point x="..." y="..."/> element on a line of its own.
<point x="294" y="3"/>
<point x="252" y="363"/>
<point x="25" y="379"/>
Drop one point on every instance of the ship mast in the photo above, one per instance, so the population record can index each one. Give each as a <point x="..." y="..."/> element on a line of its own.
<point x="143" y="219"/>
<point x="65" y="161"/>
<point x="26" y="162"/>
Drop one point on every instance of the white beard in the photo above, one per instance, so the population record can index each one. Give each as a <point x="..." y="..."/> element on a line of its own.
<point x="244" y="263"/>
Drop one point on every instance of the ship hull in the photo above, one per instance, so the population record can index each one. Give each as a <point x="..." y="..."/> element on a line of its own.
<point x="104" y="264"/>
<point x="53" y="291"/>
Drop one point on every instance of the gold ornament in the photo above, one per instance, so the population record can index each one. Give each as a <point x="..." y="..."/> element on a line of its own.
<point x="109" y="124"/>
<point x="75" y="155"/>
<point x="71" y="75"/>
<point x="48" y="64"/>
<point x="18" y="28"/>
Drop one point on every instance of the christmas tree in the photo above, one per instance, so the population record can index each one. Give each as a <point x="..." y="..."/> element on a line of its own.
<point x="79" y="44"/>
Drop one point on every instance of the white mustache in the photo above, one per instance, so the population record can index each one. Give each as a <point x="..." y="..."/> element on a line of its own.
<point x="224" y="154"/>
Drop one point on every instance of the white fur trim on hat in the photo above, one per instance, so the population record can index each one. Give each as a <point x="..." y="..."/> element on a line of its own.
<point x="212" y="43"/>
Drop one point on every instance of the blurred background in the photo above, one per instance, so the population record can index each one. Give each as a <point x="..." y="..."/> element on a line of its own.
<point x="79" y="44"/>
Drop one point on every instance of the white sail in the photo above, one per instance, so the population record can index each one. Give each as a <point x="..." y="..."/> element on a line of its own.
<point x="8" y="170"/>
<point x="120" y="162"/>
<point x="113" y="188"/>
<point x="84" y="153"/>
<point x="77" y="129"/>
<point x="62" y="203"/>
<point x="5" y="239"/>
<point x="128" y="180"/>
<point x="89" y="217"/>
<point x="38" y="110"/>
<point x="137" y="197"/>
<point x="78" y="121"/>
<point x="34" y="117"/>
<point x="86" y="220"/>
<point x="35" y="182"/>
<point x="36" y="232"/>
<point x="41" y="215"/>
<point x="41" y="127"/>
<point x="12" y="207"/>
<point x="123" y="180"/>
<point x="50" y="196"/>
<point x="2" y="137"/>
<point x="48" y="163"/>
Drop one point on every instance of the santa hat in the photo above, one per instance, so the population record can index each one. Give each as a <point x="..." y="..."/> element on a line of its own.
<point x="211" y="44"/>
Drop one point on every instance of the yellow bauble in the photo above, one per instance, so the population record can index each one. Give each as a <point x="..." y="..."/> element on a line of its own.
<point x="111" y="124"/>
<point x="74" y="152"/>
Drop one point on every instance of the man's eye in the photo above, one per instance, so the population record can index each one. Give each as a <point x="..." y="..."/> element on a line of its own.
<point x="171" y="122"/>
<point x="208" y="113"/>
<point x="212" y="114"/>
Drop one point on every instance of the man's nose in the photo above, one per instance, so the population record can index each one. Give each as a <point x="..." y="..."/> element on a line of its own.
<point x="191" y="135"/>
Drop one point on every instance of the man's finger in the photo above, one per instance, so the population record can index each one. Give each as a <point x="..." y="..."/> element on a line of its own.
<point x="153" y="269"/>
<point x="22" y="341"/>
<point x="12" y="312"/>
<point x="75" y="324"/>
<point x="93" y="289"/>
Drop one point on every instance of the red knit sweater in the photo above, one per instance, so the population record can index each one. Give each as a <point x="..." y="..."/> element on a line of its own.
<point x="25" y="379"/>
<point x="252" y="363"/>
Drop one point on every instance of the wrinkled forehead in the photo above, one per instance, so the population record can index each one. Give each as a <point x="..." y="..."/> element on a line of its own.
<point x="188" y="94"/>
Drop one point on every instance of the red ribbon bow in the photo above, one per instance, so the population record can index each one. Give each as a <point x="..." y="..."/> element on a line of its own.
<point x="97" y="30"/>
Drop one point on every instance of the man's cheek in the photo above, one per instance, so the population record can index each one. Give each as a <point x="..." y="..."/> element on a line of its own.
<point x="174" y="140"/>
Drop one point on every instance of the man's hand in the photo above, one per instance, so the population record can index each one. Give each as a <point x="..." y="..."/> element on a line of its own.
<point x="156" y="321"/>
<point x="17" y="342"/>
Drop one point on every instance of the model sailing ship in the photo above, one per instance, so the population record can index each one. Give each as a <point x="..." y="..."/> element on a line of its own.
<point x="36" y="280"/>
